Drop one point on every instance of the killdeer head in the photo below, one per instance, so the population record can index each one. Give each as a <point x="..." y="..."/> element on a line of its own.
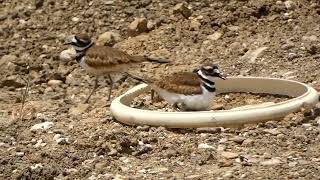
<point x="79" y="42"/>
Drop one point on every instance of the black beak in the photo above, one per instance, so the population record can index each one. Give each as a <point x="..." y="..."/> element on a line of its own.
<point x="222" y="76"/>
<point x="67" y="43"/>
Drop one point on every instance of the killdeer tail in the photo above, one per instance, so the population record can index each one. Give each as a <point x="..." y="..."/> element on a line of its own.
<point x="140" y="79"/>
<point x="156" y="60"/>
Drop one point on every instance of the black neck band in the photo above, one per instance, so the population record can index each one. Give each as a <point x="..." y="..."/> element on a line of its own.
<point x="210" y="89"/>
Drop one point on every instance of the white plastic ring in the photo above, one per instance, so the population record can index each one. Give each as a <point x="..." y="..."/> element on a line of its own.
<point x="302" y="93"/>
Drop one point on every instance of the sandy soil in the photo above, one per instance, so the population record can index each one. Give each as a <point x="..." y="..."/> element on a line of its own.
<point x="82" y="141"/>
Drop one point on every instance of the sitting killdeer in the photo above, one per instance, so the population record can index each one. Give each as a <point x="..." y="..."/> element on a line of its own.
<point x="103" y="60"/>
<point x="191" y="90"/>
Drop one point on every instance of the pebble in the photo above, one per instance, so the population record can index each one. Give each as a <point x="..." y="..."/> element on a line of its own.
<point x="290" y="5"/>
<point x="229" y="155"/>
<point x="228" y="174"/>
<point x="143" y="128"/>
<point x="271" y="162"/>
<point x="138" y="26"/>
<point x="272" y="131"/>
<point x="20" y="154"/>
<point x="42" y="126"/>
<point x="253" y="54"/>
<point x="75" y="19"/>
<point x="67" y="55"/>
<point x="38" y="3"/>
<point x="108" y="39"/>
<point x="195" y="25"/>
<point x="7" y="58"/>
<point x="79" y="109"/>
<point x="237" y="139"/>
<point x="54" y="82"/>
<point x="247" y="142"/>
<point x="292" y="164"/>
<point x="39" y="143"/>
<point x="181" y="8"/>
<point x="221" y="147"/>
<point x="212" y="130"/>
<point x="215" y="36"/>
<point x="312" y="38"/>
<point x="62" y="141"/>
<point x="205" y="146"/>
<point x="36" y="166"/>
<point x="292" y="55"/>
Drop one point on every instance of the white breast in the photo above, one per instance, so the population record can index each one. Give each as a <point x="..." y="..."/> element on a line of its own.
<point x="191" y="102"/>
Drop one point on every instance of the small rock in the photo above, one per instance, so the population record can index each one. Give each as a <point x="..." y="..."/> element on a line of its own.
<point x="108" y="39"/>
<point x="221" y="147"/>
<point x="253" y="54"/>
<point x="196" y="176"/>
<point x="228" y="174"/>
<point x="101" y="166"/>
<point x="40" y="143"/>
<point x="311" y="38"/>
<point x="62" y="141"/>
<point x="195" y="25"/>
<point x="225" y="163"/>
<point x="7" y="58"/>
<point x="3" y="16"/>
<point x="215" y="36"/>
<point x="212" y="130"/>
<point x="54" y="82"/>
<point x="181" y="8"/>
<point x="42" y="126"/>
<point x="272" y="131"/>
<point x="75" y="19"/>
<point x="290" y="5"/>
<point x="138" y="26"/>
<point x="229" y="155"/>
<point x="151" y="25"/>
<point x="36" y="166"/>
<point x="68" y="54"/>
<point x="38" y="3"/>
<point x="108" y="2"/>
<point x="20" y="154"/>
<point x="234" y="28"/>
<point x="292" y="56"/>
<point x="271" y="162"/>
<point x="205" y="146"/>
<point x="79" y="109"/>
<point x="217" y="107"/>
<point x="237" y="139"/>
<point x="143" y="128"/>
<point x="292" y="164"/>
<point x="247" y="142"/>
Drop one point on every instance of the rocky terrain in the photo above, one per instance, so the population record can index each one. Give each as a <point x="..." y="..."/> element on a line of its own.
<point x="56" y="136"/>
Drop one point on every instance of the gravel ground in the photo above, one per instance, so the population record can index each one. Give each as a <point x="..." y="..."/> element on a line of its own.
<point x="58" y="137"/>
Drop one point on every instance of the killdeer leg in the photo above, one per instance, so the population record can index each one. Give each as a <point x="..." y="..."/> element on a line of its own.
<point x="110" y="88"/>
<point x="175" y="106"/>
<point x="152" y="95"/>
<point x="96" y="85"/>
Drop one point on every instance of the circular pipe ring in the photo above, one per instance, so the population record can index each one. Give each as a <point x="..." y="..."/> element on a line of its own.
<point x="302" y="95"/>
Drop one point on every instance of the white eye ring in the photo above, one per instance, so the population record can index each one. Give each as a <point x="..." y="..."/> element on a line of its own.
<point x="74" y="39"/>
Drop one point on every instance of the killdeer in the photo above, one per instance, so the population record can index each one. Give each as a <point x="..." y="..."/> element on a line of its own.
<point x="103" y="60"/>
<point x="191" y="90"/>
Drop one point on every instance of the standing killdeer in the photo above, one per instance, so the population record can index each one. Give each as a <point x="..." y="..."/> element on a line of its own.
<point x="103" y="60"/>
<point x="191" y="90"/>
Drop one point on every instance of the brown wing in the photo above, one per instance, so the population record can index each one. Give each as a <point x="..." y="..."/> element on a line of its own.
<point x="183" y="83"/>
<point x="98" y="56"/>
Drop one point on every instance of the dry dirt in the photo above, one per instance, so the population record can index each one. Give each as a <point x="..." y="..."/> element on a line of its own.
<point x="82" y="141"/>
